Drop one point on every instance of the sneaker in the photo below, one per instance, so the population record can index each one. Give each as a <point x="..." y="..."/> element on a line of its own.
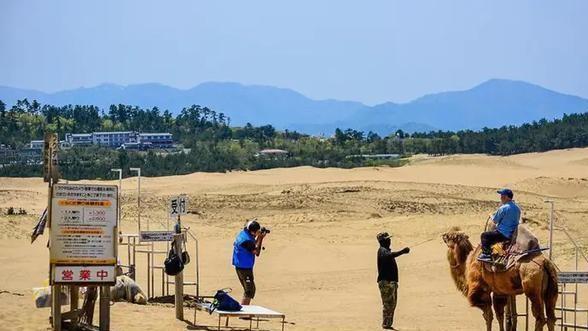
<point x="485" y="257"/>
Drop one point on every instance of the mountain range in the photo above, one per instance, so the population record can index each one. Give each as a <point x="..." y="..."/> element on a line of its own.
<point x="494" y="103"/>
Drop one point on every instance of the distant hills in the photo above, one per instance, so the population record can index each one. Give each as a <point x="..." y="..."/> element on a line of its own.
<point x="493" y="103"/>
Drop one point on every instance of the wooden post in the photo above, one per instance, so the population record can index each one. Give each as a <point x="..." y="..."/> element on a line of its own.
<point x="56" y="307"/>
<point x="104" y="308"/>
<point x="149" y="252"/>
<point x="74" y="297"/>
<point x="179" y="281"/>
<point x="51" y="176"/>
<point x="74" y="293"/>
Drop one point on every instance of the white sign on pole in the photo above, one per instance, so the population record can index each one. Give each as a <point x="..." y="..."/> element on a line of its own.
<point x="572" y="277"/>
<point x="83" y="224"/>
<point x="147" y="236"/>
<point x="178" y="206"/>
<point x="83" y="274"/>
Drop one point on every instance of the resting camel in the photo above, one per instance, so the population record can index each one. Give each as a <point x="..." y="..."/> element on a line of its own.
<point x="535" y="276"/>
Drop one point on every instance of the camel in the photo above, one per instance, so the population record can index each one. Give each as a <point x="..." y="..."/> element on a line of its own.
<point x="535" y="276"/>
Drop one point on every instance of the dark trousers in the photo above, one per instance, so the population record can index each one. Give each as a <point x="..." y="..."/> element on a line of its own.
<point x="490" y="238"/>
<point x="247" y="281"/>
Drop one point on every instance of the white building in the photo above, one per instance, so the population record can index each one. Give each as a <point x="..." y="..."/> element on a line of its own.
<point x="124" y="139"/>
<point x="157" y="140"/>
<point x="37" y="144"/>
<point x="79" y="138"/>
<point x="40" y="144"/>
<point x="114" y="139"/>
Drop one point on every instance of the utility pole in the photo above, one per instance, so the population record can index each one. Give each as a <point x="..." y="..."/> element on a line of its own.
<point x="138" y="170"/>
<point x="551" y="219"/>
<point x="119" y="194"/>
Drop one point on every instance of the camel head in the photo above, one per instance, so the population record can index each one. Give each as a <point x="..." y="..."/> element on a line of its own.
<point x="458" y="244"/>
<point x="454" y="237"/>
<point x="459" y="247"/>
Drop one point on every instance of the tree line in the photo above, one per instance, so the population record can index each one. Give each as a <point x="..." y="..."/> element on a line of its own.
<point x="212" y="144"/>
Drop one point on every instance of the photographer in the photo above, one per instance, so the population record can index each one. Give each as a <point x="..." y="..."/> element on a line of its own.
<point x="246" y="247"/>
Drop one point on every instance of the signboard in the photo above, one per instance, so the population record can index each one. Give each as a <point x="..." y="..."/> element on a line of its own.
<point x="83" y="224"/>
<point x="156" y="236"/>
<point x="83" y="274"/>
<point x="572" y="277"/>
<point x="178" y="206"/>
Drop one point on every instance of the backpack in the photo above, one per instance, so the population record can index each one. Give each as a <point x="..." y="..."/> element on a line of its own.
<point x="174" y="263"/>
<point x="223" y="301"/>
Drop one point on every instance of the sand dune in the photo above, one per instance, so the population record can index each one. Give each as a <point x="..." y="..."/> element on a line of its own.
<point x="319" y="265"/>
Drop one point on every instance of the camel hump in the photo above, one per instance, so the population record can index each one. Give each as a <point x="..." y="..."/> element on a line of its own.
<point x="524" y="239"/>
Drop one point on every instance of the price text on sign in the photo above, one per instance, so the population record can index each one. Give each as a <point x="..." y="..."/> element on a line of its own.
<point x="157" y="236"/>
<point x="83" y="224"/>
<point x="573" y="277"/>
<point x="178" y="206"/>
<point x="83" y="274"/>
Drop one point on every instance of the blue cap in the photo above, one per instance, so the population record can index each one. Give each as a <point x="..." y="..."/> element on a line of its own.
<point x="505" y="191"/>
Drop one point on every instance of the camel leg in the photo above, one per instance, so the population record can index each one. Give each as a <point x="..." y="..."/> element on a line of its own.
<point x="550" y="295"/>
<point x="537" y="307"/>
<point x="480" y="297"/>
<point x="550" y="303"/>
<point x="487" y="313"/>
<point x="499" y="302"/>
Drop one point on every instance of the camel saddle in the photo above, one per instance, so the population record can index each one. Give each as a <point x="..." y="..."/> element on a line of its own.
<point x="506" y="254"/>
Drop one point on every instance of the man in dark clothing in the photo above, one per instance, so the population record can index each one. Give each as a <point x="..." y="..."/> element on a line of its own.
<point x="388" y="278"/>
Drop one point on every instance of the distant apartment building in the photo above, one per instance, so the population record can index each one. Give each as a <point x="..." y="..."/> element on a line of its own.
<point x="40" y="144"/>
<point x="79" y="138"/>
<point x="121" y="139"/>
<point x="37" y="144"/>
<point x="157" y="140"/>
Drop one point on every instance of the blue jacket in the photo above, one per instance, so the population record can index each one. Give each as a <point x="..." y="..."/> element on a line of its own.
<point x="242" y="257"/>
<point x="507" y="218"/>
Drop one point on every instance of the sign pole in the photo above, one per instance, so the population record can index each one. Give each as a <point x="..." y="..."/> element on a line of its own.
<point x="105" y="308"/>
<point x="179" y="281"/>
<point x="177" y="207"/>
<point x="56" y="306"/>
<point x="51" y="176"/>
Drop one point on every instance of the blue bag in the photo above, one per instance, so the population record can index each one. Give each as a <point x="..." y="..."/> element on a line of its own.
<point x="223" y="301"/>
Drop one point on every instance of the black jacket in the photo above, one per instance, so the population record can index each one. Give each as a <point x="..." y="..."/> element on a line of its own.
<point x="387" y="268"/>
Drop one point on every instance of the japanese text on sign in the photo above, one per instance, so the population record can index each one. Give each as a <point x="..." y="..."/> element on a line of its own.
<point x="83" y="274"/>
<point x="573" y="277"/>
<point x="157" y="236"/>
<point x="83" y="222"/>
<point x="178" y="206"/>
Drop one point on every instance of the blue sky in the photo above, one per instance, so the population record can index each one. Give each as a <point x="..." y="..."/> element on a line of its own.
<point x="370" y="51"/>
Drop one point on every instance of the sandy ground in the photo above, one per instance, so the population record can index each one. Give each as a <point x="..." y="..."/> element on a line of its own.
<point x="319" y="262"/>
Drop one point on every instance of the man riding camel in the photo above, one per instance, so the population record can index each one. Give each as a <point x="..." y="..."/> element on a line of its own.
<point x="506" y="219"/>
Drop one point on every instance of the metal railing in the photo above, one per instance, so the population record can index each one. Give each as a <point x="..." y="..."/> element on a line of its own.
<point x="134" y="247"/>
<point x="566" y="308"/>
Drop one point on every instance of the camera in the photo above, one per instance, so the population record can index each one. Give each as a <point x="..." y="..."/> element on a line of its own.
<point x="265" y="230"/>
